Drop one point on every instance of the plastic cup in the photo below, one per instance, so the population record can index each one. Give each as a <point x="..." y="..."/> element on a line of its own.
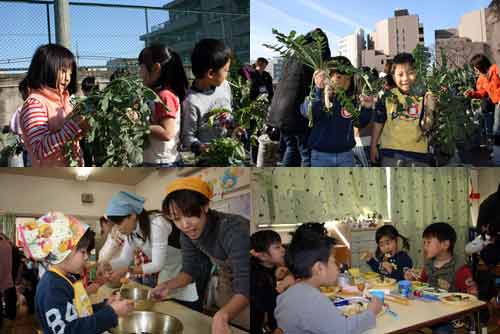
<point x="404" y="288"/>
<point x="378" y="294"/>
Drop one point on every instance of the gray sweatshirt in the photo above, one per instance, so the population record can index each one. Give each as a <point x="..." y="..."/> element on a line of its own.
<point x="303" y="309"/>
<point x="225" y="237"/>
<point x="196" y="111"/>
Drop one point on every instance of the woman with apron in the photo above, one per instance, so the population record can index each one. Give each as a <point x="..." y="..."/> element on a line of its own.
<point x="62" y="304"/>
<point x="222" y="237"/>
<point x="150" y="233"/>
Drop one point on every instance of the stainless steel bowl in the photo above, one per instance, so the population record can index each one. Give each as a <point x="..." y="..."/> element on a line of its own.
<point x="140" y="298"/>
<point x="142" y="322"/>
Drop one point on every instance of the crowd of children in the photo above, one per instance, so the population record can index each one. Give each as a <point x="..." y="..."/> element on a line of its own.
<point x="44" y="125"/>
<point x="310" y="258"/>
<point x="400" y="120"/>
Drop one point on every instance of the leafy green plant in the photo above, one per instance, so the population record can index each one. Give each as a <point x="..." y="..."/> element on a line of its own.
<point x="119" y="118"/>
<point x="310" y="54"/>
<point x="9" y="146"/>
<point x="223" y="152"/>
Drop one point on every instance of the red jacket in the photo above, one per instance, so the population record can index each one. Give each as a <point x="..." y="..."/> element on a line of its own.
<point x="481" y="87"/>
<point x="494" y="83"/>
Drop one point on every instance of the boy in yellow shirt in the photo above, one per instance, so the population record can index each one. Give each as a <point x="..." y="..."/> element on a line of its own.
<point x="401" y="133"/>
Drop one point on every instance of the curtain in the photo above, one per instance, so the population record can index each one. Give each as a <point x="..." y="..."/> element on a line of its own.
<point x="299" y="195"/>
<point x="422" y="196"/>
<point x="8" y="225"/>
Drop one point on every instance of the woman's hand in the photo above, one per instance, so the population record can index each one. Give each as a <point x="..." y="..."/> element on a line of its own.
<point x="220" y="323"/>
<point x="160" y="292"/>
<point x="374" y="154"/>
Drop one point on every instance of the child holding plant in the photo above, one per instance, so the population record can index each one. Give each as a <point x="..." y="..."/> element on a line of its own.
<point x="161" y="70"/>
<point x="45" y="125"/>
<point x="400" y="119"/>
<point x="487" y="88"/>
<point x="332" y="134"/>
<point x="210" y="62"/>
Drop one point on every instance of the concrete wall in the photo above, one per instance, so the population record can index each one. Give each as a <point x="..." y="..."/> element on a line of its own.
<point x="29" y="195"/>
<point x="493" y="34"/>
<point x="489" y="180"/>
<point x="381" y="36"/>
<point x="10" y="99"/>
<point x="473" y="25"/>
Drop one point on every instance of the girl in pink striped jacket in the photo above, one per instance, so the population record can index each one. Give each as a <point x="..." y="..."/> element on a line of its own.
<point x="45" y="125"/>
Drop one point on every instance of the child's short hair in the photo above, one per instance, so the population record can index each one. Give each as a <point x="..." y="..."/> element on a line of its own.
<point x="442" y="232"/>
<point x="262" y="60"/>
<point x="481" y="62"/>
<point x="89" y="84"/>
<point x="209" y="54"/>
<point x="309" y="227"/>
<point x="261" y="241"/>
<point x="341" y="65"/>
<point x="305" y="251"/>
<point x="45" y="65"/>
<point x="402" y="58"/>
<point x="87" y="241"/>
<point x="189" y="202"/>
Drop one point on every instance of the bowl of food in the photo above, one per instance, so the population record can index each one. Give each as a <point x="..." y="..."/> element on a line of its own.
<point x="143" y="322"/>
<point x="140" y="297"/>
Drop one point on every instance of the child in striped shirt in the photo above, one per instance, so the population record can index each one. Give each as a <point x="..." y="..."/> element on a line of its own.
<point x="44" y="120"/>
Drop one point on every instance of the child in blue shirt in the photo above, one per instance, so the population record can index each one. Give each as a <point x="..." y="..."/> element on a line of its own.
<point x="389" y="260"/>
<point x="62" y="304"/>
<point x="332" y="134"/>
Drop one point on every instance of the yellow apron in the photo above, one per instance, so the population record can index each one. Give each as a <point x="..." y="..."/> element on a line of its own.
<point x="81" y="302"/>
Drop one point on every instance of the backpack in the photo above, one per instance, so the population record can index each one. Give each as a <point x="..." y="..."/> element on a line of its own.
<point x="284" y="112"/>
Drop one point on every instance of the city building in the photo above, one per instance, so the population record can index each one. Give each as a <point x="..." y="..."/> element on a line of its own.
<point x="352" y="46"/>
<point x="401" y="33"/>
<point x="192" y="20"/>
<point x="460" y="44"/>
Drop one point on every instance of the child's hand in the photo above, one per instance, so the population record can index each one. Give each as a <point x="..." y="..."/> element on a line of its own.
<point x="389" y="267"/>
<point x="281" y="272"/>
<point x="122" y="307"/>
<point x="367" y="101"/>
<point x="411" y="275"/>
<point x="366" y="256"/>
<point x="374" y="154"/>
<point x="320" y="78"/>
<point x="375" y="306"/>
<point x="430" y="101"/>
<point x="285" y="283"/>
<point x="83" y="123"/>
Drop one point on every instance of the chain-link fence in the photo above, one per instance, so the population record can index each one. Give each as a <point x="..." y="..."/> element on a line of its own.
<point x="110" y="35"/>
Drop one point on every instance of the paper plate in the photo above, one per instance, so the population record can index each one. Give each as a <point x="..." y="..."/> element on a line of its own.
<point x="357" y="305"/>
<point x="458" y="299"/>
<point x="429" y="290"/>
<point x="377" y="282"/>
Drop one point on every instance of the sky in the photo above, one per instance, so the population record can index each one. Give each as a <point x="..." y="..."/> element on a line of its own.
<point x="339" y="18"/>
<point x="95" y="31"/>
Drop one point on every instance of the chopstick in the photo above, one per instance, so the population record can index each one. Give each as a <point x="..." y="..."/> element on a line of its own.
<point x="397" y="299"/>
